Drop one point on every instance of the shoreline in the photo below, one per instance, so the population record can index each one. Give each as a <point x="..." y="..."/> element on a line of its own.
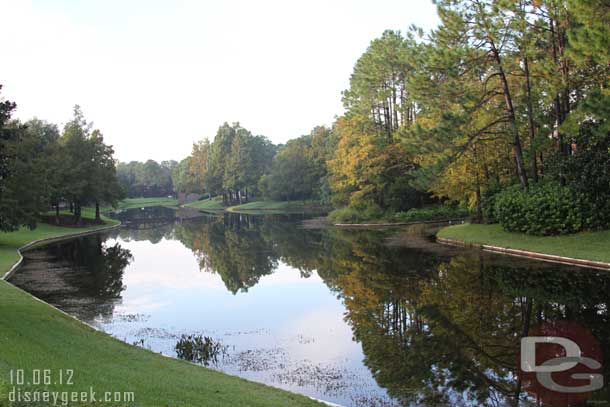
<point x="274" y="392"/>
<point x="534" y="251"/>
<point x="52" y="239"/>
<point x="397" y="224"/>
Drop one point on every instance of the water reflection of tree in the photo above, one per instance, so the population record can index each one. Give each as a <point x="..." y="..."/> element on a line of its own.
<point x="232" y="246"/>
<point x="153" y="233"/>
<point x="84" y="277"/>
<point x="151" y="223"/>
<point x="434" y="331"/>
<point x="451" y="336"/>
<point x="100" y="266"/>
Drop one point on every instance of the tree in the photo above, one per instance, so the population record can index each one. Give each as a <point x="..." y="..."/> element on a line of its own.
<point x="147" y="179"/>
<point x="378" y="84"/>
<point x="294" y="174"/>
<point x="236" y="162"/>
<point x="106" y="187"/>
<point x="220" y="151"/>
<point x="8" y="135"/>
<point x="25" y="186"/>
<point x="368" y="170"/>
<point x="198" y="166"/>
<point x="88" y="167"/>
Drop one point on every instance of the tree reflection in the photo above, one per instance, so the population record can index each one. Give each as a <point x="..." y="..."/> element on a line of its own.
<point x="435" y="330"/>
<point x="232" y="246"/>
<point x="451" y="337"/>
<point x="100" y="266"/>
<point x="84" y="277"/>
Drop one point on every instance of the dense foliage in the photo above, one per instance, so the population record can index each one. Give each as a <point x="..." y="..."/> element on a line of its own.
<point x="230" y="166"/>
<point x="545" y="209"/>
<point x="43" y="168"/>
<point x="433" y="212"/>
<point x="502" y="93"/>
<point x="147" y="179"/>
<point x="299" y="168"/>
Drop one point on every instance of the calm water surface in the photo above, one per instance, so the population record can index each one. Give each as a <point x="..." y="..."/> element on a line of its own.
<point x="359" y="318"/>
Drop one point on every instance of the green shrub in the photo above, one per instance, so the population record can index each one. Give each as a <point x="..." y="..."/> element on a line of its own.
<point x="352" y="214"/>
<point x="432" y="213"/>
<point x="545" y="209"/>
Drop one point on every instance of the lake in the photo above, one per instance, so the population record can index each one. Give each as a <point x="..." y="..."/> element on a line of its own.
<point x="353" y="317"/>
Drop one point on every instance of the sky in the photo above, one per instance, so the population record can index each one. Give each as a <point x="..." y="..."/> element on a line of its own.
<point x="157" y="75"/>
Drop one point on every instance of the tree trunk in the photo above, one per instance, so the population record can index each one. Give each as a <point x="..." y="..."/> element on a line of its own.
<point x="77" y="213"/>
<point x="395" y="110"/>
<point x="57" y="213"/>
<point x="559" y="111"/>
<point x="479" y="214"/>
<point x="517" y="150"/>
<point x="530" y="120"/>
<point x="98" y="219"/>
<point x="71" y="206"/>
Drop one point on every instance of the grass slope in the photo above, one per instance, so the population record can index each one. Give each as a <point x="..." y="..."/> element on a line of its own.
<point x="586" y="245"/>
<point x="10" y="242"/>
<point x="36" y="336"/>
<point x="276" y="206"/>
<point x="212" y="205"/>
<point x="144" y="202"/>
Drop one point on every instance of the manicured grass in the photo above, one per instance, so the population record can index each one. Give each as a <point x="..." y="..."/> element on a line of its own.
<point x="256" y="207"/>
<point x="144" y="202"/>
<point x="212" y="205"/>
<point x="276" y="206"/>
<point x="587" y="245"/>
<point x="36" y="336"/>
<point x="10" y="242"/>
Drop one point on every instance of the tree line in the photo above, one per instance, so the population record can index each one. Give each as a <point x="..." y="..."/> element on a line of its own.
<point x="147" y="179"/>
<point x="43" y="169"/>
<point x="239" y="166"/>
<point x="501" y="93"/>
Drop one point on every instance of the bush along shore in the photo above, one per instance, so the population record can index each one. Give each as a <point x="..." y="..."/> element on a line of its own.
<point x="35" y="335"/>
<point x="373" y="215"/>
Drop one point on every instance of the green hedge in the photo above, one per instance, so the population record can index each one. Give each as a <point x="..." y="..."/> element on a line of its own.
<point x="549" y="209"/>
<point x="356" y="215"/>
<point x="432" y="213"/>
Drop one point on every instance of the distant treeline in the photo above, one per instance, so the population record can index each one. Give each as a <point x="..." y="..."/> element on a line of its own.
<point x="147" y="179"/>
<point x="503" y="109"/>
<point x="501" y="93"/>
<point x="238" y="166"/>
<point x="42" y="168"/>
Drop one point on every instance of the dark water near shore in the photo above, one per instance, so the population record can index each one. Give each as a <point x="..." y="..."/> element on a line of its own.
<point x="358" y="318"/>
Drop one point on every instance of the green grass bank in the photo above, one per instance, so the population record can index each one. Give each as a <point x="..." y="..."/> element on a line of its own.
<point x="34" y="335"/>
<point x="145" y="202"/>
<point x="207" y="205"/>
<point x="586" y="246"/>
<point x="277" y="207"/>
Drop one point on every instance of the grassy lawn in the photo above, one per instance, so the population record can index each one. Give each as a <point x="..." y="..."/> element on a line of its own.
<point x="275" y="206"/>
<point x="212" y="205"/>
<point x="10" y="242"/>
<point x="586" y="245"/>
<point x="144" y="202"/>
<point x="36" y="336"/>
